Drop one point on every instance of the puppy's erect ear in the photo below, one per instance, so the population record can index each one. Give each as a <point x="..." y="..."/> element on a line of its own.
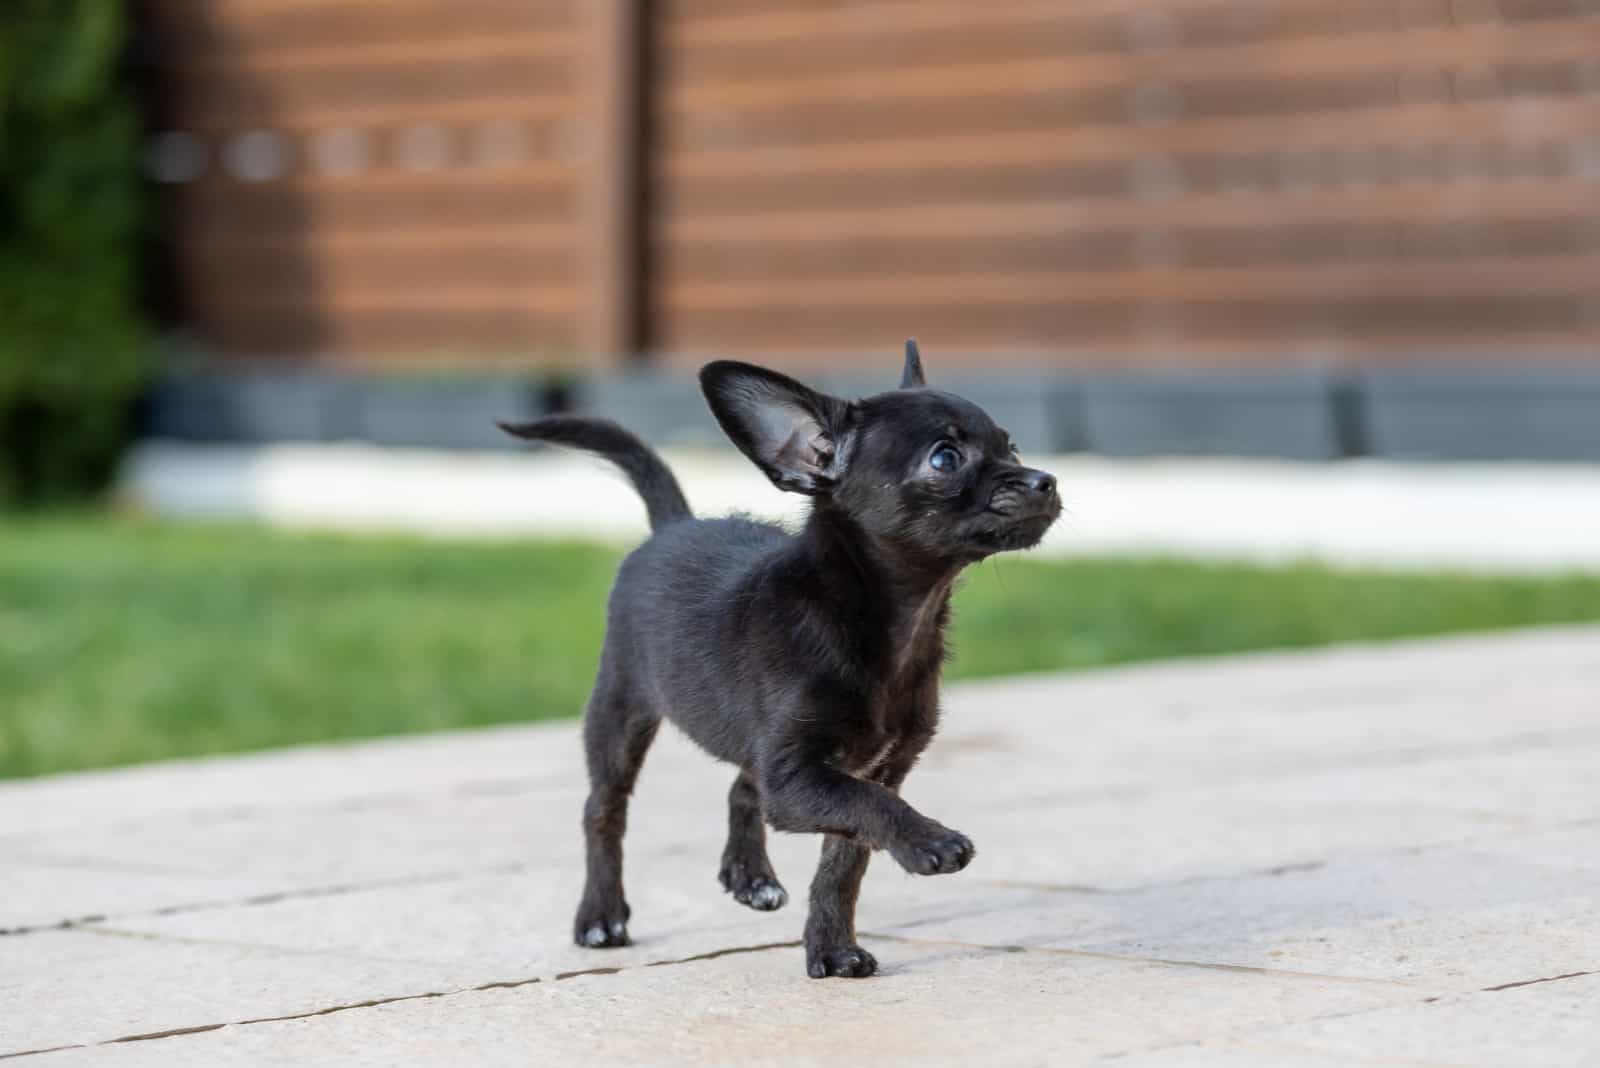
<point x="911" y="377"/>
<point x="793" y="433"/>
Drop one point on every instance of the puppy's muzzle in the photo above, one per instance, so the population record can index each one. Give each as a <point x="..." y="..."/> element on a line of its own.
<point x="1026" y="494"/>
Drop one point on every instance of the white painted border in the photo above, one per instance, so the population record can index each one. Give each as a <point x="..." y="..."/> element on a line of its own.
<point x="1512" y="517"/>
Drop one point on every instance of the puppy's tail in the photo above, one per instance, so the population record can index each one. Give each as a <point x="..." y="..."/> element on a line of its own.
<point x="663" y="497"/>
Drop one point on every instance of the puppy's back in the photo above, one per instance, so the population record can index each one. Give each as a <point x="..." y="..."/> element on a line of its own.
<point x="678" y="616"/>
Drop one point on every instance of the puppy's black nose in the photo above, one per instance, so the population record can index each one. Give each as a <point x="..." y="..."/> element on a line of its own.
<point x="1042" y="482"/>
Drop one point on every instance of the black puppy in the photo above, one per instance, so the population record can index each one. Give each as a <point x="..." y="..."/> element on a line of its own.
<point x="811" y="660"/>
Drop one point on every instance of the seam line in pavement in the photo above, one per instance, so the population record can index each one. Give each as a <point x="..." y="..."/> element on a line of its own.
<point x="513" y="984"/>
<point x="269" y="898"/>
<point x="1535" y="982"/>
<point x="514" y="867"/>
<point x="1124" y="958"/>
<point x="502" y="984"/>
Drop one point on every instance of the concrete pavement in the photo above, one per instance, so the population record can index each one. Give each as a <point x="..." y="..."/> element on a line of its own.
<point x="1363" y="855"/>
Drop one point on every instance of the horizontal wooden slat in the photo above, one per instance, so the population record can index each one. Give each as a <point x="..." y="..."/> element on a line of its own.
<point x="940" y="36"/>
<point x="1422" y="202"/>
<point x="413" y="239"/>
<point x="180" y="30"/>
<point x="340" y="300"/>
<point x="466" y="47"/>
<point x="976" y="345"/>
<point x="1326" y="323"/>
<point x="691" y="21"/>
<point x="1533" y="276"/>
<point x="384" y="177"/>
<point x="191" y="113"/>
<point x="367" y="9"/>
<point x="428" y="87"/>
<point x="1045" y="111"/>
<point x="1135" y="24"/>
<point x="942" y="187"/>
<point x="1368" y="56"/>
<point x="1132" y="247"/>
<point x="310" y="274"/>
<point x="973" y="181"/>
<point x="1396" y="131"/>
<point x="451" y="336"/>
<point x="238" y="208"/>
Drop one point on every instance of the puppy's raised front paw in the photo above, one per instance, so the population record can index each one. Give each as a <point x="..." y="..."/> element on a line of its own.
<point x="933" y="849"/>
<point x="601" y="926"/>
<point x="847" y="962"/>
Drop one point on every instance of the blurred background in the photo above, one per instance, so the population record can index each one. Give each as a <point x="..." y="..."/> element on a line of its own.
<point x="1267" y="280"/>
<point x="1309" y="228"/>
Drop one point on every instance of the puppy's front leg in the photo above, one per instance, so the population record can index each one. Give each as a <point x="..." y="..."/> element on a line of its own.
<point x="809" y="796"/>
<point x="831" y="947"/>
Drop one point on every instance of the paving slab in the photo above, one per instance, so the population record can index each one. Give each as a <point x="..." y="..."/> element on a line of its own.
<point x="352" y="775"/>
<point x="68" y="987"/>
<point x="1364" y="855"/>
<point x="935" y="1004"/>
<point x="1549" y="1021"/>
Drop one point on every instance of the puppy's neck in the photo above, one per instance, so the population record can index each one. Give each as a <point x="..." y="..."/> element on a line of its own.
<point x="909" y="595"/>
<point x="839" y="543"/>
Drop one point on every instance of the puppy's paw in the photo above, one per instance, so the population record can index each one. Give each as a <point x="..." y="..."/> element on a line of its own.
<point x="753" y="885"/>
<point x="761" y="894"/>
<point x="601" y="926"/>
<point x="933" y="849"/>
<point x="847" y="962"/>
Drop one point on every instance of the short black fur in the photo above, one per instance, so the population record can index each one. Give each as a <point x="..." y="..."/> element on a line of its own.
<point x="809" y="660"/>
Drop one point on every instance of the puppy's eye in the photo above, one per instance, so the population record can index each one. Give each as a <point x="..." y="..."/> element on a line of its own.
<point x="945" y="458"/>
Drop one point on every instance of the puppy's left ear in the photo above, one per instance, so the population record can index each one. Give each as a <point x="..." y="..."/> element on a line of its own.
<point x="796" y="435"/>
<point x="911" y="377"/>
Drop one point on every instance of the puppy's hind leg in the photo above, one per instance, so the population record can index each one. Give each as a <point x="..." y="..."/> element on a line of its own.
<point x="746" y="872"/>
<point x="616" y="736"/>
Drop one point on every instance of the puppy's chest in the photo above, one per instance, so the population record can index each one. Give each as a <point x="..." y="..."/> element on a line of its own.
<point x="866" y="756"/>
<point x="896" y="720"/>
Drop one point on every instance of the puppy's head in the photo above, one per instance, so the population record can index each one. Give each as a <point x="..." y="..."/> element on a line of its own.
<point x="927" y="471"/>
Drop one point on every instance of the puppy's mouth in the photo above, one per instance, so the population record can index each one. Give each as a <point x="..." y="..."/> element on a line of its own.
<point x="1009" y="526"/>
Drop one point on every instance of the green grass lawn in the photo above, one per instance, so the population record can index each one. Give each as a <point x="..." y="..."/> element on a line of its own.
<point x="124" y="641"/>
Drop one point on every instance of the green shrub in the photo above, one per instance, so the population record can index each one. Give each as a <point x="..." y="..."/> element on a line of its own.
<point x="73" y="350"/>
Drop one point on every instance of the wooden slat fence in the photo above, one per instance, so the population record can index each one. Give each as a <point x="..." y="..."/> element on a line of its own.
<point x="1082" y="180"/>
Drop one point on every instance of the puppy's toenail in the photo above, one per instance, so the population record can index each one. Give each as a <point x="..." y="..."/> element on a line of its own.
<point x="595" y="936"/>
